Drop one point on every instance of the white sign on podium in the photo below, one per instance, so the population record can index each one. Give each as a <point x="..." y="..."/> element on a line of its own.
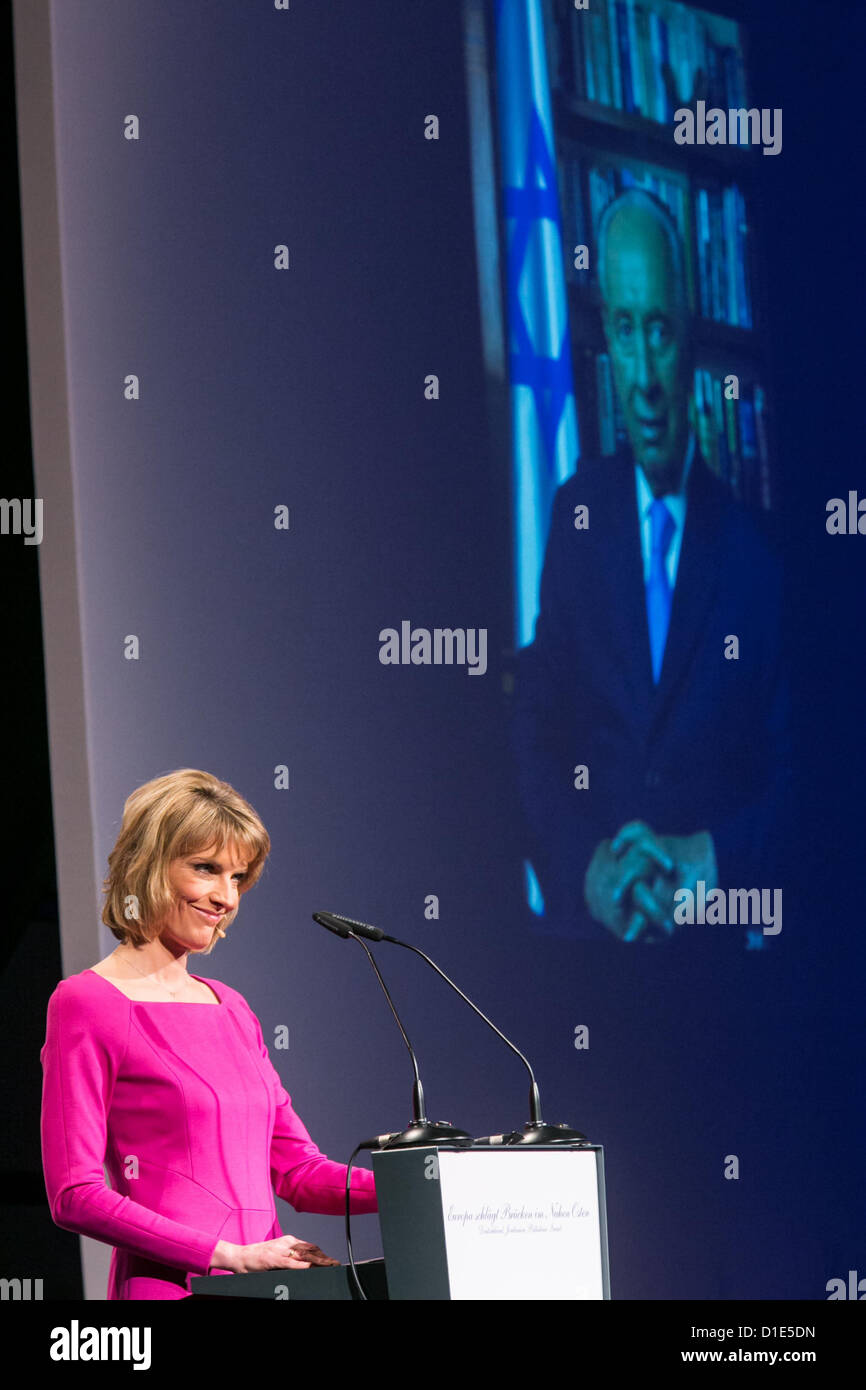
<point x="522" y="1228"/>
<point x="494" y="1223"/>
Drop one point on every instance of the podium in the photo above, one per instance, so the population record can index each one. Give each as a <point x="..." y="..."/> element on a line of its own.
<point x="488" y="1223"/>
<point x="494" y="1222"/>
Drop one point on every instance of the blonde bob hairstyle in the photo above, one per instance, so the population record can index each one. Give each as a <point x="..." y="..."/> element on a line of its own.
<point x="185" y="812"/>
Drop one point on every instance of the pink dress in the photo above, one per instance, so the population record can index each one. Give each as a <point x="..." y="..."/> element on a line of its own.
<point x="184" y="1107"/>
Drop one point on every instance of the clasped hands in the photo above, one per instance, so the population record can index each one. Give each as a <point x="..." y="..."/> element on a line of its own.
<point x="631" y="879"/>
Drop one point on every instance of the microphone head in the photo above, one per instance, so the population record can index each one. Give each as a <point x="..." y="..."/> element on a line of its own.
<point x="358" y="928"/>
<point x="334" y="924"/>
<point x="346" y="926"/>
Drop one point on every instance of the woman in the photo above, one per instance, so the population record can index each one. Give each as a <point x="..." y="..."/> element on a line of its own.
<point x="164" y="1077"/>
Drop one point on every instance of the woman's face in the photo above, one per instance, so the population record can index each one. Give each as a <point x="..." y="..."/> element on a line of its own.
<point x="206" y="888"/>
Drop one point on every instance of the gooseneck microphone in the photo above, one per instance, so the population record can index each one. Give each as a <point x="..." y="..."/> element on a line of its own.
<point x="421" y="1130"/>
<point x="535" y="1131"/>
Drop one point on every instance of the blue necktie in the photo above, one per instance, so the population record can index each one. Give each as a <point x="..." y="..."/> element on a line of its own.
<point x="658" y="590"/>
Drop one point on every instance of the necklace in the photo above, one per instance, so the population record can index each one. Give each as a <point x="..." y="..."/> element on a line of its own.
<point x="169" y="989"/>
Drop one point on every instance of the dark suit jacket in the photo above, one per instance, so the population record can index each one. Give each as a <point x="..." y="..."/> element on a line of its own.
<point x="706" y="749"/>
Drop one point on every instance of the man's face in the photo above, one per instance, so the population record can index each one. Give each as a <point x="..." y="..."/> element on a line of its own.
<point x="646" y="336"/>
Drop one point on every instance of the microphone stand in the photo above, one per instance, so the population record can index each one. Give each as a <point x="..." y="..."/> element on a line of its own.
<point x="421" y="1131"/>
<point x="535" y="1131"/>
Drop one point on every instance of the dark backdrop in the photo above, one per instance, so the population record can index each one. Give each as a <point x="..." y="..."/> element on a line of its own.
<point x="260" y="648"/>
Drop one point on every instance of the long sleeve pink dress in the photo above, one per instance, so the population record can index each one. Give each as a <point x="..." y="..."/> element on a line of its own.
<point x="185" y="1109"/>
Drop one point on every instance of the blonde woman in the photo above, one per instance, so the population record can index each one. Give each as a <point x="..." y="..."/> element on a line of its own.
<point x="163" y="1075"/>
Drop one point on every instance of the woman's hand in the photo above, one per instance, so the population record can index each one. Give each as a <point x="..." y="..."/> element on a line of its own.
<point x="286" y="1252"/>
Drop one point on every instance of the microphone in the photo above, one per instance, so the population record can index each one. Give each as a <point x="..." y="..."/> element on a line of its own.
<point x="345" y="927"/>
<point x="535" y="1131"/>
<point x="421" y="1131"/>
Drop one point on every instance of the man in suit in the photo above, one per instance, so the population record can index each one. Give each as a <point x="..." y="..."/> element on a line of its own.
<point x="656" y="659"/>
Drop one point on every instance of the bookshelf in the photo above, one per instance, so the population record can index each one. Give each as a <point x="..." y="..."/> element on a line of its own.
<point x="618" y="72"/>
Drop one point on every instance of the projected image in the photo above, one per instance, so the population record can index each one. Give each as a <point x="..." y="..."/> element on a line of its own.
<point x="648" y="711"/>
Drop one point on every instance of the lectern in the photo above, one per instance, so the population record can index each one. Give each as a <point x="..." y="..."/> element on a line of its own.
<point x="485" y="1222"/>
<point x="490" y="1223"/>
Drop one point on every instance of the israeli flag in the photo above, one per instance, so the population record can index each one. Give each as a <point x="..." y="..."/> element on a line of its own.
<point x="545" y="443"/>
